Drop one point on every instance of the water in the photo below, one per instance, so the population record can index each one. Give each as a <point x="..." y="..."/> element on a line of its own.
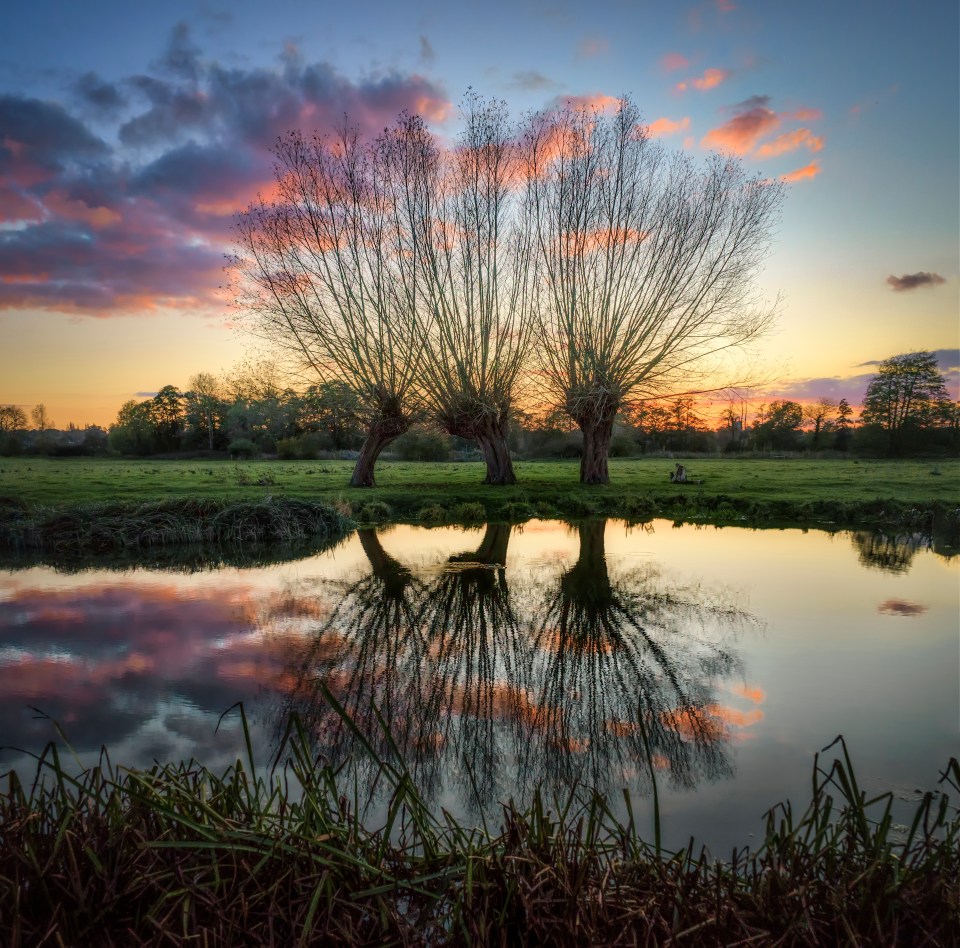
<point x="508" y="658"/>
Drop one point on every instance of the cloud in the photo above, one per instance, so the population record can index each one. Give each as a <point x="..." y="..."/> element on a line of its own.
<point x="853" y="387"/>
<point x="427" y="53"/>
<point x="725" y="6"/>
<point x="806" y="115"/>
<point x="710" y="79"/>
<point x="898" y="607"/>
<point x="142" y="223"/>
<point x="102" y="97"/>
<point x="913" y="281"/>
<point x="664" y="126"/>
<point x="532" y="80"/>
<point x="790" y="141"/>
<point x="752" y="120"/>
<point x="671" y="62"/>
<point x="591" y="46"/>
<point x="591" y="100"/>
<point x="801" y="174"/>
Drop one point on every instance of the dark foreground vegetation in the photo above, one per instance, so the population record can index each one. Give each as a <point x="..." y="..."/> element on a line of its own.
<point x="177" y="854"/>
<point x="214" y="530"/>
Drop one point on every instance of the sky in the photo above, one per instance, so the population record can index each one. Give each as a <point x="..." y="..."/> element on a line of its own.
<point x="132" y="134"/>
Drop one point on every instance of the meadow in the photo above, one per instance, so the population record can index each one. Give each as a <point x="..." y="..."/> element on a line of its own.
<point x="725" y="488"/>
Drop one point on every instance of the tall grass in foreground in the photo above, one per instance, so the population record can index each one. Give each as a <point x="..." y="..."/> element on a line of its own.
<point x="177" y="854"/>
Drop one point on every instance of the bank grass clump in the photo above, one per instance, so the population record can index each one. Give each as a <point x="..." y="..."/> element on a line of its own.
<point x="112" y="856"/>
<point x="470" y="511"/>
<point x="433" y="514"/>
<point x="374" y="512"/>
<point x="121" y="527"/>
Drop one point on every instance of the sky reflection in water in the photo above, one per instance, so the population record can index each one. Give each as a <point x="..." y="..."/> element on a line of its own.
<point x="509" y="657"/>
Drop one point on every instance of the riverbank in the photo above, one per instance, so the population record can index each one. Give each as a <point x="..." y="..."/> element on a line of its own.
<point x="913" y="494"/>
<point x="178" y="852"/>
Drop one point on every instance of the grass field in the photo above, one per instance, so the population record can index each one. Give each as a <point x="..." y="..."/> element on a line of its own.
<point x="789" y="488"/>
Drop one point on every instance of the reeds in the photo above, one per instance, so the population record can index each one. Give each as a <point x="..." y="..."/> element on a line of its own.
<point x="117" y="529"/>
<point x="179" y="855"/>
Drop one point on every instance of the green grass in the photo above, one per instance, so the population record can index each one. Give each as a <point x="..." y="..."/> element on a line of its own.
<point x="178" y="854"/>
<point x="841" y="490"/>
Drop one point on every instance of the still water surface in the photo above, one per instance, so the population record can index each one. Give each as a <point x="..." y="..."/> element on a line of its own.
<point x="506" y="658"/>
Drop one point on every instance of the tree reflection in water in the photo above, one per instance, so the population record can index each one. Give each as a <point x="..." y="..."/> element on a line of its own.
<point x="623" y="660"/>
<point x="490" y="688"/>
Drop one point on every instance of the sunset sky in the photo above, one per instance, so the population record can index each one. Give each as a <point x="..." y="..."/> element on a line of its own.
<point x="130" y="135"/>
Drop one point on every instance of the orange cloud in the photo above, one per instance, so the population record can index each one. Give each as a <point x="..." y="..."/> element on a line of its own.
<point x="673" y="61"/>
<point x="756" y="695"/>
<point x="791" y="141"/>
<point x="75" y="210"/>
<point x="745" y="129"/>
<point x="665" y="126"/>
<point x="800" y="174"/>
<point x="710" y="79"/>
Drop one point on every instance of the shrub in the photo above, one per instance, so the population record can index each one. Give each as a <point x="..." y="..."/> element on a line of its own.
<point x="518" y="510"/>
<point x="469" y="512"/>
<point x="433" y="513"/>
<point x="374" y="512"/>
<point x="243" y="448"/>
<point x="422" y="446"/>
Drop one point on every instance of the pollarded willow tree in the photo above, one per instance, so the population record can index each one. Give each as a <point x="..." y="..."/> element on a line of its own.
<point x="475" y="264"/>
<point x="326" y="272"/>
<point x="647" y="265"/>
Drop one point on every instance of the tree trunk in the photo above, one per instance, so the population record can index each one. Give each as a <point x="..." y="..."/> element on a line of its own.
<point x="490" y="433"/>
<point x="382" y="431"/>
<point x="597" y="430"/>
<point x="496" y="454"/>
<point x="394" y="576"/>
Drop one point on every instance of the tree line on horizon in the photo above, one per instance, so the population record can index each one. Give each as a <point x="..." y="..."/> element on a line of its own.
<point x="252" y="412"/>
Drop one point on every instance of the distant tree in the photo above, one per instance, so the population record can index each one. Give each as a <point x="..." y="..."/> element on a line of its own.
<point x="41" y="418"/>
<point x="819" y="415"/>
<point x="905" y="397"/>
<point x="134" y="431"/>
<point x="778" y="426"/>
<point x="331" y="408"/>
<point x="205" y="407"/>
<point x="733" y="421"/>
<point x="166" y="411"/>
<point x="12" y="418"/>
<point x="842" y="425"/>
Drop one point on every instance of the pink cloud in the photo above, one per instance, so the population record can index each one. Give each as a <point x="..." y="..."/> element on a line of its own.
<point x="725" y="6"/>
<point x="710" y="79"/>
<point x="740" y="134"/>
<point x="591" y="100"/>
<point x="674" y="61"/>
<point x="592" y="46"/>
<point x="806" y="115"/>
<point x="790" y="141"/>
<point x="142" y="222"/>
<point x="802" y="174"/>
<point x="664" y="126"/>
<point x="15" y="207"/>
